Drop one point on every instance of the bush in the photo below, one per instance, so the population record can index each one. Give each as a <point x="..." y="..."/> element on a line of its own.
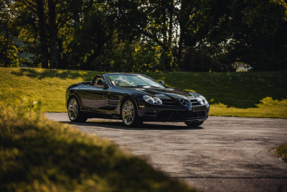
<point x="281" y="151"/>
<point x="205" y="59"/>
<point x="8" y="53"/>
<point x="37" y="154"/>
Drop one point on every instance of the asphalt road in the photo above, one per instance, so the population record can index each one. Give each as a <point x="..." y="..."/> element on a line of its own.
<point x="223" y="154"/>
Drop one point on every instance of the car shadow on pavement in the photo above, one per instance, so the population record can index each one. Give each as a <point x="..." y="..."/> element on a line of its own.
<point x="145" y="126"/>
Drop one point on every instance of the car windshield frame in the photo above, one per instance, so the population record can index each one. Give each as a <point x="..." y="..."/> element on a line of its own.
<point x="134" y="81"/>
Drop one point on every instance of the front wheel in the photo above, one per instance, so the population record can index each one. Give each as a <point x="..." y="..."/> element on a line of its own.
<point x="74" y="112"/>
<point x="129" y="113"/>
<point x="193" y="123"/>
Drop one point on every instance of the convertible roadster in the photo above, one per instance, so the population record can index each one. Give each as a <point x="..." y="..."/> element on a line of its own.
<point x="134" y="98"/>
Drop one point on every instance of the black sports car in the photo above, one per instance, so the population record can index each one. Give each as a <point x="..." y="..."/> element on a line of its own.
<point x="134" y="98"/>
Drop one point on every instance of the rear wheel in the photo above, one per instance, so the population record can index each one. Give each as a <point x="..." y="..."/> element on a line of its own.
<point x="129" y="113"/>
<point x="193" y="123"/>
<point x="74" y="112"/>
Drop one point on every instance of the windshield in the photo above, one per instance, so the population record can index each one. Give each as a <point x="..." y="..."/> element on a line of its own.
<point x="133" y="80"/>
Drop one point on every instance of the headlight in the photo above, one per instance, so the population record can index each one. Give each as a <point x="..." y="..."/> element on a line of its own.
<point x="203" y="101"/>
<point x="152" y="100"/>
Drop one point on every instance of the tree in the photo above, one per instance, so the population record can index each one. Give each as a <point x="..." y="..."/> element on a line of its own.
<point x="77" y="34"/>
<point x="51" y="24"/>
<point x="254" y="32"/>
<point x="8" y="50"/>
<point x="154" y="21"/>
<point x="42" y="33"/>
<point x="262" y="42"/>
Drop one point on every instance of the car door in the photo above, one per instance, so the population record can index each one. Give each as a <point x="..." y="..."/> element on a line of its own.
<point x="113" y="99"/>
<point x="93" y="98"/>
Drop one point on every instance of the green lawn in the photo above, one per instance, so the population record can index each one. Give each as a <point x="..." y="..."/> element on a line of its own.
<point x="251" y="94"/>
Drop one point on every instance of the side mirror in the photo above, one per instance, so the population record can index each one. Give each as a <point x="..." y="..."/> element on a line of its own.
<point x="161" y="82"/>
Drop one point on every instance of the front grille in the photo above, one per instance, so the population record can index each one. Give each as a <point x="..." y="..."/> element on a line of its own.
<point x="194" y="102"/>
<point x="180" y="115"/>
<point x="168" y="102"/>
<point x="164" y="114"/>
<point x="187" y="114"/>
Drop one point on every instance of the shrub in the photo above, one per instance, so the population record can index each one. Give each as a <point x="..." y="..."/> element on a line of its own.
<point x="281" y="151"/>
<point x="37" y="154"/>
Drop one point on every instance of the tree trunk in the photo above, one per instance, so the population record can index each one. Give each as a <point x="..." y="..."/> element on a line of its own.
<point x="170" y="31"/>
<point x="53" y="35"/>
<point x="181" y="31"/>
<point x="170" y="22"/>
<point x="61" y="65"/>
<point x="164" y="55"/>
<point x="42" y="33"/>
<point x="7" y="64"/>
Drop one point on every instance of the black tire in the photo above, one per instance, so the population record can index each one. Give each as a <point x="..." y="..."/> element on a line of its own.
<point x="129" y="113"/>
<point x="193" y="123"/>
<point x="74" y="113"/>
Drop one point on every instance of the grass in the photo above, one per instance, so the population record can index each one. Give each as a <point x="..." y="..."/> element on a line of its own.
<point x="251" y="94"/>
<point x="281" y="151"/>
<point x="37" y="154"/>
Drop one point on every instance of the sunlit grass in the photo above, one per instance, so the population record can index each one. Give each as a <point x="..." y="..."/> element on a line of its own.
<point x="46" y="85"/>
<point x="260" y="94"/>
<point x="266" y="108"/>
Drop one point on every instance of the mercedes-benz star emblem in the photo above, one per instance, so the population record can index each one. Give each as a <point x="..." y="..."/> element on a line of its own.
<point x="184" y="102"/>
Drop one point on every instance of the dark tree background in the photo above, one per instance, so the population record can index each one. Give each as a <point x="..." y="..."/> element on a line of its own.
<point x="145" y="35"/>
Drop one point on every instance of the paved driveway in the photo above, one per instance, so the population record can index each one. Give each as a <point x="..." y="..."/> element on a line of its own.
<point x="223" y="154"/>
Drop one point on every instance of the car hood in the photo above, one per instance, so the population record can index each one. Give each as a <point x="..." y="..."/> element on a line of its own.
<point x="168" y="93"/>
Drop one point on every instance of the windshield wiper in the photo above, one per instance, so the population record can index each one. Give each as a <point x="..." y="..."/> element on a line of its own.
<point x="147" y="86"/>
<point x="156" y="87"/>
<point x="141" y="86"/>
<point x="128" y="86"/>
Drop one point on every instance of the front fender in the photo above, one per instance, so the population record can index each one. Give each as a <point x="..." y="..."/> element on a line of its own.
<point x="70" y="94"/>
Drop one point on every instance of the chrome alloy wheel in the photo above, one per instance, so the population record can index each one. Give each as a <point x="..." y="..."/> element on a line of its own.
<point x="128" y="112"/>
<point x="73" y="109"/>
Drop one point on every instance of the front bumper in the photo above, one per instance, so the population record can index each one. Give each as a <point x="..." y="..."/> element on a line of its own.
<point x="172" y="113"/>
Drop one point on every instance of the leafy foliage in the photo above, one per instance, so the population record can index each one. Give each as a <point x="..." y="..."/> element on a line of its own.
<point x="124" y="56"/>
<point x="8" y="49"/>
<point x="8" y="53"/>
<point x="205" y="59"/>
<point x="79" y="34"/>
<point x="37" y="154"/>
<point x="261" y="40"/>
